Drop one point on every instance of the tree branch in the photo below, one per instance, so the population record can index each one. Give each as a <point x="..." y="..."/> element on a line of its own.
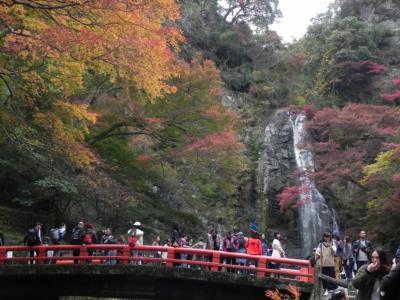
<point x="125" y="133"/>
<point x="45" y="6"/>
<point x="104" y="134"/>
<point x="9" y="90"/>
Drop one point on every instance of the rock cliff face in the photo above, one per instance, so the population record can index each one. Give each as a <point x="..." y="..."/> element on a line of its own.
<point x="275" y="170"/>
<point x="277" y="160"/>
<point x="268" y="136"/>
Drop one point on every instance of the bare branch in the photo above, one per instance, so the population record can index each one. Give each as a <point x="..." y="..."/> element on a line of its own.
<point x="8" y="88"/>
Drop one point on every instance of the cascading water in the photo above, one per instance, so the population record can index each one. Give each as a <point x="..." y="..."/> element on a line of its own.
<point x="315" y="217"/>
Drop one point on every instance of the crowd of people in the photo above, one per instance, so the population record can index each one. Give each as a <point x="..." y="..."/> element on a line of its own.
<point x="369" y="269"/>
<point x="84" y="234"/>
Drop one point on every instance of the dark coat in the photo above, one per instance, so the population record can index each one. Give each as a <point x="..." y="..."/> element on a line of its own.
<point x="176" y="238"/>
<point x="33" y="237"/>
<point x="77" y="235"/>
<point x="108" y="239"/>
<point x="390" y="287"/>
<point x="364" y="281"/>
<point x="357" y="248"/>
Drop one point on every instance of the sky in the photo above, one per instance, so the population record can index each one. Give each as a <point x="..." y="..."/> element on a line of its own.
<point x="297" y="15"/>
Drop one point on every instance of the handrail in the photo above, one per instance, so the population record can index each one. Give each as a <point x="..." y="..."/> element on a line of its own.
<point x="125" y="254"/>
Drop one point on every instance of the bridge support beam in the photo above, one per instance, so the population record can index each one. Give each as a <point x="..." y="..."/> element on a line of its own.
<point x="49" y="282"/>
<point x="27" y="297"/>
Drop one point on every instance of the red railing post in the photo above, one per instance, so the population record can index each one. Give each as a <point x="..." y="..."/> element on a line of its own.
<point x="3" y="254"/>
<point x="41" y="253"/>
<point x="170" y="257"/>
<point x="216" y="258"/>
<point x="82" y="252"/>
<point x="262" y="264"/>
<point x="126" y="254"/>
<point x="311" y="272"/>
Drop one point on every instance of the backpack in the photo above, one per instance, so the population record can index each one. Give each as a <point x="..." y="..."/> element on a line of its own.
<point x="132" y="241"/>
<point x="76" y="234"/>
<point x="88" y="239"/>
<point x="242" y="242"/>
<point x="312" y="260"/>
<point x="54" y="234"/>
<point x="32" y="237"/>
<point x="235" y="244"/>
<point x="228" y="245"/>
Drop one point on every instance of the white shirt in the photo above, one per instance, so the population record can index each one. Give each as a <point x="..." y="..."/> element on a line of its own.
<point x="277" y="249"/>
<point x="361" y="254"/>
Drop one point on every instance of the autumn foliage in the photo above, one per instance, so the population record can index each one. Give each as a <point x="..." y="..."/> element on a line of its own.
<point x="394" y="96"/>
<point x="292" y="293"/>
<point x="128" y="40"/>
<point x="98" y="88"/>
<point x="294" y="197"/>
<point x="382" y="178"/>
<point x="346" y="139"/>
<point x="53" y="53"/>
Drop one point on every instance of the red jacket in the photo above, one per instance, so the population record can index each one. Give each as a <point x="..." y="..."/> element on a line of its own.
<point x="254" y="246"/>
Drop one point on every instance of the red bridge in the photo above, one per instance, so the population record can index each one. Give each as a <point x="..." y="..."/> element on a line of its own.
<point x="145" y="272"/>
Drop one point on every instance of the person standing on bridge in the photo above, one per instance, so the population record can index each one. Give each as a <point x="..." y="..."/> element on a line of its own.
<point x="78" y="234"/>
<point x="230" y="244"/>
<point x="362" y="250"/>
<point x="34" y="238"/>
<point x="348" y="258"/>
<point x="199" y="245"/>
<point x="176" y="241"/>
<point x="325" y="253"/>
<point x="108" y="239"/>
<point x="90" y="237"/>
<point x="266" y="247"/>
<point x="138" y="232"/>
<point x="241" y="249"/>
<point x="214" y="240"/>
<point x="339" y="253"/>
<point x="369" y="277"/>
<point x="57" y="235"/>
<point x="253" y="246"/>
<point x="277" y="251"/>
<point x="157" y="242"/>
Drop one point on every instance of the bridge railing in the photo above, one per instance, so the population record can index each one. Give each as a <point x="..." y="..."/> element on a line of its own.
<point x="214" y="261"/>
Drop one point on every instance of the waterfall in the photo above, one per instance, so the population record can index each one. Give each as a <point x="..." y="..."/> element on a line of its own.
<point x="315" y="217"/>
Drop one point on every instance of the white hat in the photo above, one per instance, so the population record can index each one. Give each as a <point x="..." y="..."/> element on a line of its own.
<point x="137" y="223"/>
